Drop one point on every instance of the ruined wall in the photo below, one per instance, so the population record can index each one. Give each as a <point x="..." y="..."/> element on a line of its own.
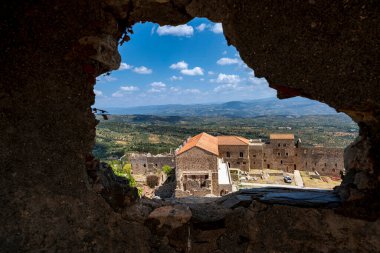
<point x="235" y="161"/>
<point x="148" y="164"/>
<point x="139" y="164"/>
<point x="327" y="161"/>
<point x="53" y="50"/>
<point x="155" y="163"/>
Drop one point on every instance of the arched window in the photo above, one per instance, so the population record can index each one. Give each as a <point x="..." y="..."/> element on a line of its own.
<point x="228" y="154"/>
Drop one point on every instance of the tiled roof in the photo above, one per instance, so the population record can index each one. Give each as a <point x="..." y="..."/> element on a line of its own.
<point x="281" y="136"/>
<point x="232" y="140"/>
<point x="203" y="141"/>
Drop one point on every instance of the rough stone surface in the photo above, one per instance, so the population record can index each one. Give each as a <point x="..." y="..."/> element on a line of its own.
<point x="322" y="50"/>
<point x="172" y="216"/>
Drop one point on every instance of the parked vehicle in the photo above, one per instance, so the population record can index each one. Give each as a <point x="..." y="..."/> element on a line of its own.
<point x="287" y="179"/>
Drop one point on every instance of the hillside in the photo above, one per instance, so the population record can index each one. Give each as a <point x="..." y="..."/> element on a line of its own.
<point x="261" y="107"/>
<point x="156" y="134"/>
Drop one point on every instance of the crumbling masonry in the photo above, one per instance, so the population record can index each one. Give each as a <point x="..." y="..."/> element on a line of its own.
<point x="51" y="54"/>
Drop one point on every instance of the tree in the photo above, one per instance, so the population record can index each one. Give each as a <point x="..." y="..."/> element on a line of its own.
<point x="166" y="169"/>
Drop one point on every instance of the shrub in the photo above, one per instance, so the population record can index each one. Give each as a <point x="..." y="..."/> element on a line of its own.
<point x="166" y="169"/>
<point x="152" y="181"/>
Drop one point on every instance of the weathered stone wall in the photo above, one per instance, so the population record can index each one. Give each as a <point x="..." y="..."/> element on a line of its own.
<point x="149" y="164"/>
<point x="256" y="160"/>
<point x="155" y="163"/>
<point x="139" y="164"/>
<point x="327" y="161"/>
<point x="53" y="50"/>
<point x="235" y="161"/>
<point x="197" y="160"/>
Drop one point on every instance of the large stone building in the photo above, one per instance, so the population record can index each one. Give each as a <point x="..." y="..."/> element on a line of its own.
<point x="200" y="170"/>
<point x="282" y="152"/>
<point x="204" y="159"/>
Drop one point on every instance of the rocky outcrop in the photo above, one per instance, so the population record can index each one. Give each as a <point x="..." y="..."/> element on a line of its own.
<point x="52" y="52"/>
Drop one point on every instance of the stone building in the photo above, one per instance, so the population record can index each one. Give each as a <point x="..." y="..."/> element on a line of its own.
<point x="204" y="160"/>
<point x="234" y="150"/>
<point x="146" y="164"/>
<point x="199" y="168"/>
<point x="283" y="153"/>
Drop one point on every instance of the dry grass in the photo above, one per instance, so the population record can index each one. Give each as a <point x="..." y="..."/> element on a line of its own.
<point x="324" y="183"/>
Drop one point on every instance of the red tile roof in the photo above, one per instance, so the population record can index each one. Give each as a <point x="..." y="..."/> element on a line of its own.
<point x="232" y="140"/>
<point x="281" y="136"/>
<point x="203" y="141"/>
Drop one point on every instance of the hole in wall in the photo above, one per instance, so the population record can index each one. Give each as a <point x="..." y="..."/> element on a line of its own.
<point x="177" y="82"/>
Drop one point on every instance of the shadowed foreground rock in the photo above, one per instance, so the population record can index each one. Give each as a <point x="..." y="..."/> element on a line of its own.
<point x="52" y="52"/>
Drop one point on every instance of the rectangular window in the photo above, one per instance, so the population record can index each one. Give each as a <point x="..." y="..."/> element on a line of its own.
<point x="241" y="154"/>
<point x="228" y="154"/>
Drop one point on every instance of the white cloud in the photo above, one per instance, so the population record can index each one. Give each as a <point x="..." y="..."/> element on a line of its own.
<point x="174" y="89"/>
<point x="180" y="30"/>
<point x="158" y="85"/>
<point x="197" y="71"/>
<point x="105" y="78"/>
<point x="183" y="66"/>
<point x="98" y="93"/>
<point x="217" y="28"/>
<point x="224" y="78"/>
<point x="176" y="78"/>
<point x="154" y="90"/>
<point x="123" y="90"/>
<point x="192" y="91"/>
<point x="117" y="94"/>
<point x="211" y="73"/>
<point x="129" y="88"/>
<point x="226" y="87"/>
<point x="224" y="52"/>
<point x="142" y="70"/>
<point x="227" y="61"/>
<point x="202" y="79"/>
<point x="125" y="66"/>
<point x="179" y="65"/>
<point x="201" y="27"/>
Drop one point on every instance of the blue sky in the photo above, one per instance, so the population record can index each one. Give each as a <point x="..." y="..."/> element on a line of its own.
<point x="184" y="64"/>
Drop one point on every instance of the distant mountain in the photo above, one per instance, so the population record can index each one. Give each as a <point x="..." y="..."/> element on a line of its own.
<point x="252" y="108"/>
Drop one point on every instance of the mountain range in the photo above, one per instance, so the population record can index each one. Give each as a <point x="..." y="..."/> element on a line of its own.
<point x="250" y="108"/>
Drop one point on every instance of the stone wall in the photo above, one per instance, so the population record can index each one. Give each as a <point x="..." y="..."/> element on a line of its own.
<point x="327" y="161"/>
<point x="150" y="164"/>
<point x="235" y="160"/>
<point x="52" y="52"/>
<point x="196" y="162"/>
